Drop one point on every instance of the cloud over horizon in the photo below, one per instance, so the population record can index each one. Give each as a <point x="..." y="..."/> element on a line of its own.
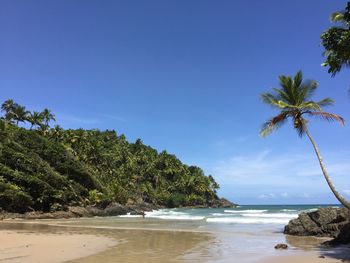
<point x="268" y="175"/>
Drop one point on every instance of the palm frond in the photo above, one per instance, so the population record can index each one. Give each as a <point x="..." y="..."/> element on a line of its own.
<point x="327" y="116"/>
<point x="286" y="83"/>
<point x="310" y="105"/>
<point x="282" y="94"/>
<point x="325" y="102"/>
<point x="298" y="78"/>
<point x="337" y="17"/>
<point x="274" y="102"/>
<point x="307" y="89"/>
<point x="269" y="99"/>
<point x="273" y="124"/>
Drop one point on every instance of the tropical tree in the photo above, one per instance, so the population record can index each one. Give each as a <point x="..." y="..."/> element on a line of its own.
<point x="20" y="114"/>
<point x="8" y="107"/>
<point x="293" y="101"/>
<point x="48" y="116"/>
<point x="336" y="41"/>
<point x="35" y="118"/>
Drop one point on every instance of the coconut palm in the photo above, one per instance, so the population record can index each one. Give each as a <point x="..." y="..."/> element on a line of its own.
<point x="8" y="107"/>
<point x="293" y="101"/>
<point x="20" y="114"/>
<point x="35" y="118"/>
<point x="48" y="116"/>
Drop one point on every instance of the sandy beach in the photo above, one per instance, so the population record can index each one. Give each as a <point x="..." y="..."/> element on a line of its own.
<point x="29" y="247"/>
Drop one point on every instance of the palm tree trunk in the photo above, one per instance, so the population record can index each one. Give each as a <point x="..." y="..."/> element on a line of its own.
<point x="340" y="198"/>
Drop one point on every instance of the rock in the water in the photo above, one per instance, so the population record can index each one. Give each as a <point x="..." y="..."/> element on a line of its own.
<point x="281" y="246"/>
<point x="325" y="222"/>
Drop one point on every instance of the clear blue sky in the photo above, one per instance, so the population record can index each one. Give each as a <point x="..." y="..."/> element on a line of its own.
<point x="184" y="76"/>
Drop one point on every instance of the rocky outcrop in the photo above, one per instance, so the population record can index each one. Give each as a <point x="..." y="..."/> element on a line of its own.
<point x="113" y="209"/>
<point x="325" y="222"/>
<point x="222" y="203"/>
<point x="342" y="238"/>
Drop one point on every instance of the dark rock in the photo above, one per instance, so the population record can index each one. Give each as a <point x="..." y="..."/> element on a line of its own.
<point x="115" y="209"/>
<point x="79" y="211"/>
<point x="322" y="256"/>
<point x="141" y="206"/>
<point x="325" y="222"/>
<point x="342" y="238"/>
<point x="281" y="246"/>
<point x="94" y="211"/>
<point x="222" y="203"/>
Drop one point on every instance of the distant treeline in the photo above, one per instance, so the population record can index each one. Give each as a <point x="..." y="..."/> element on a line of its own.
<point x="47" y="169"/>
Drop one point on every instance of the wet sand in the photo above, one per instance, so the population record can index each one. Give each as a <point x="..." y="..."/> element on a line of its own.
<point x="310" y="250"/>
<point x="60" y="241"/>
<point x="29" y="242"/>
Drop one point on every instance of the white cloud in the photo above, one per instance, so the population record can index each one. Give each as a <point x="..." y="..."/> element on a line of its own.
<point x="287" y="176"/>
<point x="268" y="168"/>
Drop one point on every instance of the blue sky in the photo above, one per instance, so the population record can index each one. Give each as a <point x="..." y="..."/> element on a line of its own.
<point x="184" y="76"/>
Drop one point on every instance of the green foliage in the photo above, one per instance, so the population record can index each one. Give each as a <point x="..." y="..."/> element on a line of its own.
<point x="54" y="168"/>
<point x="336" y="42"/>
<point x="12" y="198"/>
<point x="95" y="196"/>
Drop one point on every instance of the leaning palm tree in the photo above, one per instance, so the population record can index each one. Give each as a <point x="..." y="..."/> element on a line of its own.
<point x="293" y="101"/>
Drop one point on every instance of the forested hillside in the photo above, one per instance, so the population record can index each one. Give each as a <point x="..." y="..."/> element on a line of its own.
<point x="48" y="169"/>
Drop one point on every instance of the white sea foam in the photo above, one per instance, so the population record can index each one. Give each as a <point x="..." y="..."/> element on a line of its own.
<point x="130" y="216"/>
<point x="310" y="210"/>
<point x="218" y="214"/>
<point x="272" y="215"/>
<point x="288" y="210"/>
<point x="245" y="211"/>
<point x="172" y="215"/>
<point x="253" y="220"/>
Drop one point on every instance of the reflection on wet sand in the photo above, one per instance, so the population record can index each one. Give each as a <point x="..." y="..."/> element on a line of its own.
<point x="133" y="245"/>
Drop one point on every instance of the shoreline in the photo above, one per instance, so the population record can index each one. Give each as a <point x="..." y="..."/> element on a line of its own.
<point x="183" y="235"/>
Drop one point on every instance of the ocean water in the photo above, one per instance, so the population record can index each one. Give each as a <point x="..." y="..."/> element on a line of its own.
<point x="273" y="215"/>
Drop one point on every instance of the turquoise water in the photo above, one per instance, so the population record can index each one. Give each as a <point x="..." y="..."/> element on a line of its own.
<point x="245" y="214"/>
<point x="244" y="218"/>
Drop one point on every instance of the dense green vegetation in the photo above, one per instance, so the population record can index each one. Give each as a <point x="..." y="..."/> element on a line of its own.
<point x="336" y="42"/>
<point x="47" y="169"/>
<point x="293" y="100"/>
